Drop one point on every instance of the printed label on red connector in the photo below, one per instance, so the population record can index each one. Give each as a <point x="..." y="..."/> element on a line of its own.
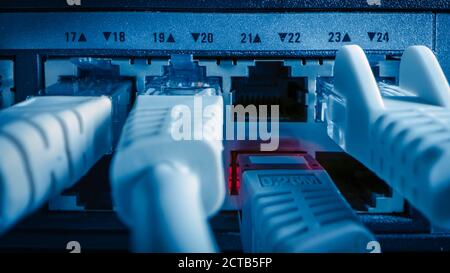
<point x="280" y="160"/>
<point x="268" y="180"/>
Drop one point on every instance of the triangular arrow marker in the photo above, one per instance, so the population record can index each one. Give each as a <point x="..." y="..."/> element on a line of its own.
<point x="282" y="36"/>
<point x="346" y="38"/>
<point x="371" y="35"/>
<point x="170" y="39"/>
<point x="82" y="38"/>
<point x="107" y="35"/>
<point x="195" y="36"/>
<point x="257" y="39"/>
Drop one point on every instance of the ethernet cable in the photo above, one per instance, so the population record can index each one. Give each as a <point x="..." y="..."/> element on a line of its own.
<point x="165" y="188"/>
<point x="167" y="174"/>
<point x="291" y="205"/>
<point x="401" y="133"/>
<point x="47" y="143"/>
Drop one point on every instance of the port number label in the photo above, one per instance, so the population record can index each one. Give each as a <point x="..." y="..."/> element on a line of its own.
<point x="74" y="247"/>
<point x="379" y="37"/>
<point x="114" y="36"/>
<point x="289" y="37"/>
<point x="373" y="247"/>
<point x="338" y="37"/>
<point x="204" y="37"/>
<point x="74" y="37"/>
<point x="73" y="2"/>
<point x="161" y="37"/>
<point x="250" y="38"/>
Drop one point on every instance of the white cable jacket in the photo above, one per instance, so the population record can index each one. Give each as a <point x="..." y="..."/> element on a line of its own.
<point x="172" y="196"/>
<point x="164" y="189"/>
<point x="298" y="211"/>
<point x="47" y="144"/>
<point x="405" y="140"/>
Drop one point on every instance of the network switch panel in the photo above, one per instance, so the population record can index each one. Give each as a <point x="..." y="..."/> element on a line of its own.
<point x="274" y="76"/>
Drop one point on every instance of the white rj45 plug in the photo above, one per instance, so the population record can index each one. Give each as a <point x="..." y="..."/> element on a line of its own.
<point x="402" y="136"/>
<point x="46" y="145"/>
<point x="164" y="188"/>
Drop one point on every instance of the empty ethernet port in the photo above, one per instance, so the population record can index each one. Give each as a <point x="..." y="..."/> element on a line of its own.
<point x="91" y="193"/>
<point x="270" y="83"/>
<point x="363" y="189"/>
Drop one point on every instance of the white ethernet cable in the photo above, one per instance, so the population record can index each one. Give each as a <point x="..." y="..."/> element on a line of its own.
<point x="403" y="133"/>
<point x="291" y="205"/>
<point x="164" y="189"/>
<point x="46" y="145"/>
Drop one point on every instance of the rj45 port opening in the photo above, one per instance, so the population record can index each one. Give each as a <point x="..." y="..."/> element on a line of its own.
<point x="270" y="83"/>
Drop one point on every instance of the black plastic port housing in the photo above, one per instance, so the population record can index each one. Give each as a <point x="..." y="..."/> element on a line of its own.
<point x="270" y="83"/>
